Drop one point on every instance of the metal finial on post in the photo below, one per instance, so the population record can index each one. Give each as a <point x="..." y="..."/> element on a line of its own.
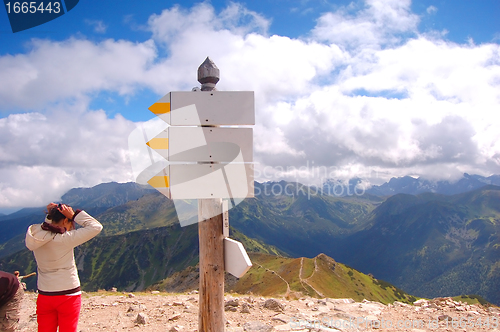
<point x="208" y="75"/>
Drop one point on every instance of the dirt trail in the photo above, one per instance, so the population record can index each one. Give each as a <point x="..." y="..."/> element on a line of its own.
<point x="277" y="274"/>
<point x="305" y="281"/>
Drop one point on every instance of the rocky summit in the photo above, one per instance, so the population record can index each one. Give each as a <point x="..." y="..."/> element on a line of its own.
<point x="158" y="311"/>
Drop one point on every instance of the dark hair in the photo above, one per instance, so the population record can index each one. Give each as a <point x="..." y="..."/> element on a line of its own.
<point x="55" y="215"/>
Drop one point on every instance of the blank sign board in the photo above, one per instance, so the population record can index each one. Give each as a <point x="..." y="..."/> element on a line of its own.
<point x="204" y="144"/>
<point x="236" y="260"/>
<point x="206" y="108"/>
<point x="203" y="181"/>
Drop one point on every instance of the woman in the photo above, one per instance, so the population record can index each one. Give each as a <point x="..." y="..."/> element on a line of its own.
<point x="52" y="242"/>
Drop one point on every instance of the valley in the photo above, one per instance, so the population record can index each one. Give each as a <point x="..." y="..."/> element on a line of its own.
<point x="427" y="244"/>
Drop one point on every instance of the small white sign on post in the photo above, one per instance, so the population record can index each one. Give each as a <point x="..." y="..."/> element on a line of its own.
<point x="236" y="260"/>
<point x="225" y="218"/>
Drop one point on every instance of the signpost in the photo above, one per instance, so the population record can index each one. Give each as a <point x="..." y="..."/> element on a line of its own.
<point x="208" y="163"/>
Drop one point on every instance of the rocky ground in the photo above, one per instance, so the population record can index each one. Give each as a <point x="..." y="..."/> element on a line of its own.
<point x="108" y="311"/>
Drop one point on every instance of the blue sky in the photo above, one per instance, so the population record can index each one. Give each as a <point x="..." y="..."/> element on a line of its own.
<point x="463" y="19"/>
<point x="375" y="88"/>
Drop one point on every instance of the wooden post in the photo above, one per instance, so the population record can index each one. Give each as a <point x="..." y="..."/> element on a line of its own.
<point x="211" y="239"/>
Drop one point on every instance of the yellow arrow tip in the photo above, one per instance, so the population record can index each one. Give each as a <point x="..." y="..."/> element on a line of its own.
<point x="158" y="143"/>
<point x="160" y="108"/>
<point x="159" y="182"/>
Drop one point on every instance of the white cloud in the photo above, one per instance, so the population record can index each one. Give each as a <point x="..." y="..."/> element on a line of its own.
<point x="399" y="107"/>
<point x="172" y="25"/>
<point x="54" y="71"/>
<point x="444" y="116"/>
<point x="98" y="25"/>
<point x="276" y="66"/>
<point x="44" y="155"/>
<point x="379" y="23"/>
<point x="431" y="10"/>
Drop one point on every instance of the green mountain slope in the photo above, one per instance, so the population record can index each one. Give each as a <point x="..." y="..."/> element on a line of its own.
<point x="14" y="230"/>
<point x="130" y="261"/>
<point x="148" y="212"/>
<point x="300" y="224"/>
<point x="134" y="260"/>
<point x="432" y="244"/>
<point x="97" y="201"/>
<point x="151" y="210"/>
<point x="320" y="277"/>
<point x="105" y="195"/>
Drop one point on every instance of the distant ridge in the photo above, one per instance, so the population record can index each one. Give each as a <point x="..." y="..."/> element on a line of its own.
<point x="415" y="186"/>
<point x="410" y="185"/>
<point x="105" y="195"/>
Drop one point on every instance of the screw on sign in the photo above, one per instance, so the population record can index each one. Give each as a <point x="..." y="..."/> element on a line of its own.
<point x="208" y="163"/>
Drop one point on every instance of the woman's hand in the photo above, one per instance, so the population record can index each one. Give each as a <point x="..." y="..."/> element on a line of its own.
<point x="50" y="206"/>
<point x="67" y="211"/>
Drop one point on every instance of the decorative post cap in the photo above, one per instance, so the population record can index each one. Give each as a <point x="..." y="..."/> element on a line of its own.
<point x="208" y="75"/>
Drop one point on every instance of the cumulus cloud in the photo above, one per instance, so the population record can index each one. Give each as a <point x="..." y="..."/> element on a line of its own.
<point x="364" y="94"/>
<point x="394" y="108"/>
<point x="431" y="10"/>
<point x="55" y="71"/>
<point x="98" y="25"/>
<point x="174" y="24"/>
<point x="44" y="155"/>
<point x="377" y="24"/>
<point x="237" y="40"/>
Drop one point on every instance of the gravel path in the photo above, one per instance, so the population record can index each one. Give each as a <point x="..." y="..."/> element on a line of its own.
<point x="108" y="311"/>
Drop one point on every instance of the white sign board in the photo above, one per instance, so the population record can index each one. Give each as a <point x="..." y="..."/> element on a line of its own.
<point x="206" y="108"/>
<point x="204" y="144"/>
<point x="236" y="260"/>
<point x="203" y="181"/>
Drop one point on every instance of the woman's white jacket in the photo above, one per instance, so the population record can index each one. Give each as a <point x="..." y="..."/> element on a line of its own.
<point x="54" y="255"/>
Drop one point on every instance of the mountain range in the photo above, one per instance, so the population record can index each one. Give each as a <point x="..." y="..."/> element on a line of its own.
<point x="432" y="244"/>
<point x="427" y="244"/>
<point x="415" y="186"/>
<point x="408" y="185"/>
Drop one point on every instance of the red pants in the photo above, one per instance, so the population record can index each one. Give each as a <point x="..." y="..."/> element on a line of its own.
<point x="54" y="311"/>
